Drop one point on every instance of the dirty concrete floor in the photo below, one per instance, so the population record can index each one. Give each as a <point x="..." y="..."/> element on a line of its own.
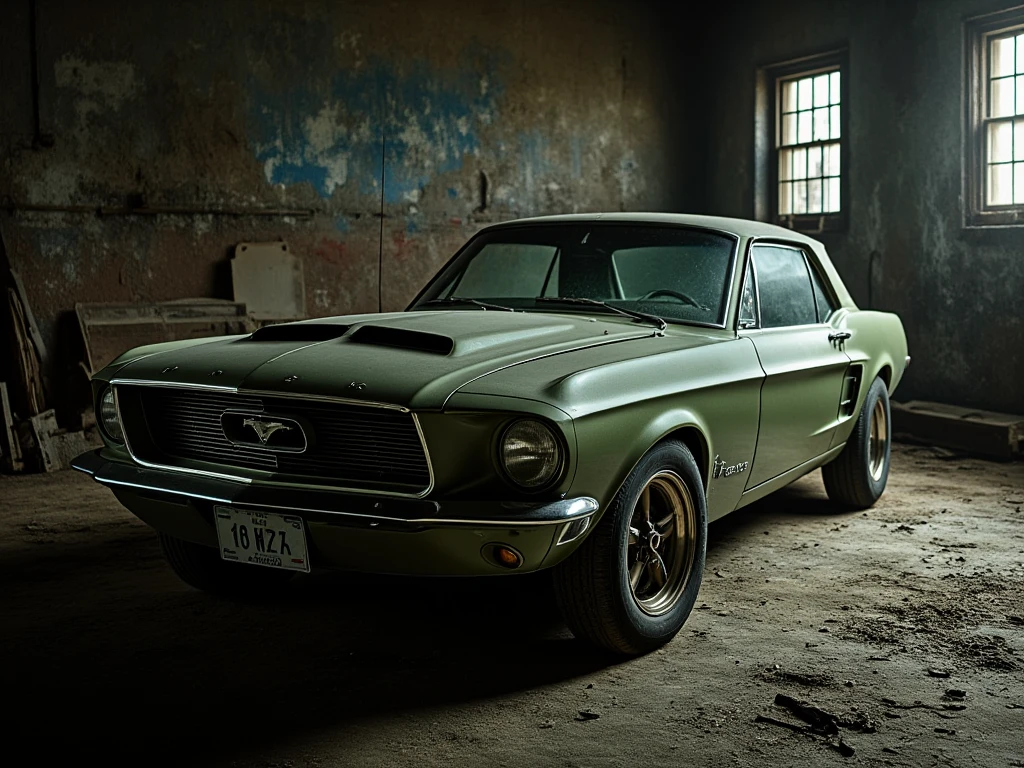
<point x="106" y="654"/>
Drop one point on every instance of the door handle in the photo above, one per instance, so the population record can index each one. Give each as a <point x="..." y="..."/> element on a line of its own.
<point x="839" y="336"/>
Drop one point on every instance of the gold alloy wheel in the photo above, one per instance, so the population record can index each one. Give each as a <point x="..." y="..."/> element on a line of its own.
<point x="661" y="543"/>
<point x="878" y="442"/>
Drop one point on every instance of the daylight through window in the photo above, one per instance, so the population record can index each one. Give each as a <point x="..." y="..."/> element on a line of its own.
<point x="1005" y="132"/>
<point x="808" y="141"/>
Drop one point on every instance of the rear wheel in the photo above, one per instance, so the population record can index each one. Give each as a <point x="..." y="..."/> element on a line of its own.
<point x="857" y="477"/>
<point x="633" y="582"/>
<point x="202" y="567"/>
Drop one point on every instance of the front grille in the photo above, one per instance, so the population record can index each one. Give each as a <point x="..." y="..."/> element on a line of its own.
<point x="350" y="445"/>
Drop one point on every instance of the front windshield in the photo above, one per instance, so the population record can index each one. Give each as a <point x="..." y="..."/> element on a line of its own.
<point x="676" y="273"/>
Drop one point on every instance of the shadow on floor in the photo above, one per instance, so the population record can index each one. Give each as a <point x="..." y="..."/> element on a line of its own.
<point x="106" y="653"/>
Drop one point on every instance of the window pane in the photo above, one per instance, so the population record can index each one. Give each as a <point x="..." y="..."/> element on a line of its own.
<point x="804" y="127"/>
<point x="1018" y="139"/>
<point x="785" y="164"/>
<point x="799" y="163"/>
<point x="1020" y="53"/>
<point x="821" y="124"/>
<point x="814" y="196"/>
<point x="1020" y="94"/>
<point x="1000" y="142"/>
<point x="833" y="88"/>
<point x="1002" y="57"/>
<point x="748" y="303"/>
<point x="789" y="96"/>
<point x="823" y="302"/>
<point x="800" y="197"/>
<point x="833" y="195"/>
<point x="785" y="199"/>
<point x="832" y="160"/>
<point x="789" y="129"/>
<point x="834" y="123"/>
<point x="806" y="98"/>
<point x="1002" y="98"/>
<point x="502" y="270"/>
<point x="784" y="287"/>
<point x="821" y="91"/>
<point x="1018" y="183"/>
<point x="814" y="166"/>
<point x="1000" y="184"/>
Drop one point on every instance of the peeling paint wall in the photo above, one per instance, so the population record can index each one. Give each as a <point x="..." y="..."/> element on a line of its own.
<point x="212" y="112"/>
<point x="959" y="292"/>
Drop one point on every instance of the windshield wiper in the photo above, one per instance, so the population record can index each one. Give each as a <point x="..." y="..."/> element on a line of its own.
<point x="662" y="325"/>
<point x="464" y="300"/>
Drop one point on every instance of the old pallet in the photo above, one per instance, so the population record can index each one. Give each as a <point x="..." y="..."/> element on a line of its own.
<point x="999" y="435"/>
<point x="110" y="329"/>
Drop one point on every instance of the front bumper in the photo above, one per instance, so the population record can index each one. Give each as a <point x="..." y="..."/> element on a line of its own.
<point x="365" y="533"/>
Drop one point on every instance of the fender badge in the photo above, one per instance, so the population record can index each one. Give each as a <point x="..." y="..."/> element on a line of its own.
<point x="721" y="469"/>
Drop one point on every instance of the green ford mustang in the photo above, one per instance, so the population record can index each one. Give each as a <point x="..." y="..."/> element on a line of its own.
<point x="582" y="393"/>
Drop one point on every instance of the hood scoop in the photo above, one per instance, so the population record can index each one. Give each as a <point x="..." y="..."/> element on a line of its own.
<point x="300" y="332"/>
<point x="418" y="341"/>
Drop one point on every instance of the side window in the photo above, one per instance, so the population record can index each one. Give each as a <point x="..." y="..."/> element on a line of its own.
<point x="784" y="287"/>
<point x="824" y="304"/>
<point x="748" y="301"/>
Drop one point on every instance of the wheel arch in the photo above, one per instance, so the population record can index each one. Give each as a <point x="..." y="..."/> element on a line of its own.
<point x="683" y="425"/>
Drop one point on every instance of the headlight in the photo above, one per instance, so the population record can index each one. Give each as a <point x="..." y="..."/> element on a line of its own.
<point x="108" y="416"/>
<point x="531" y="455"/>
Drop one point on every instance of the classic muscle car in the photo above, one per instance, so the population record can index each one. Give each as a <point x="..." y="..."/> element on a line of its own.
<point x="583" y="393"/>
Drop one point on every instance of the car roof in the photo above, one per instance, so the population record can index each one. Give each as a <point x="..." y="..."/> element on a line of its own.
<point x="739" y="227"/>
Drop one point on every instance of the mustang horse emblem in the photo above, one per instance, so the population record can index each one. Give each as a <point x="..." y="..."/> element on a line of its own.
<point x="264" y="429"/>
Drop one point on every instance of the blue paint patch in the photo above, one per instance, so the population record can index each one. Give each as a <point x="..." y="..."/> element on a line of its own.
<point x="341" y="224"/>
<point x="334" y="133"/>
<point x="453" y="192"/>
<point x="412" y="227"/>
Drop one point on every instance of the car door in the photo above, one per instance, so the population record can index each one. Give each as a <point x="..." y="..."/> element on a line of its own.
<point x="802" y="357"/>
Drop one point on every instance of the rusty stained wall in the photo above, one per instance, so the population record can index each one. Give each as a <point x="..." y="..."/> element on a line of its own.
<point x="343" y="109"/>
<point x="959" y="292"/>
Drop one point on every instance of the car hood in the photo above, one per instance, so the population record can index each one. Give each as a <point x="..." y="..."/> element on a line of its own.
<point x="413" y="359"/>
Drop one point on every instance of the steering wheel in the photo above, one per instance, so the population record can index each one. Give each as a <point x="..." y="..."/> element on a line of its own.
<point x="674" y="294"/>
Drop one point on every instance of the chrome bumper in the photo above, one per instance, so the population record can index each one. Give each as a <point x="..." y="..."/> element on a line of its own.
<point x="360" y="510"/>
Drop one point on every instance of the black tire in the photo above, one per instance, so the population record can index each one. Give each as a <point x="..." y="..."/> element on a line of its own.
<point x="202" y="567"/>
<point x="592" y="586"/>
<point x="857" y="476"/>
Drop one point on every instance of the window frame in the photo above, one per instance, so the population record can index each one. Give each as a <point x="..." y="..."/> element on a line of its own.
<point x="978" y="31"/>
<point x="768" y="129"/>
<point x="813" y="271"/>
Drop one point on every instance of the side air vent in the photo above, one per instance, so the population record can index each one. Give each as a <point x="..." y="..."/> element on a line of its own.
<point x="299" y="332"/>
<point x="384" y="336"/>
<point x="851" y="389"/>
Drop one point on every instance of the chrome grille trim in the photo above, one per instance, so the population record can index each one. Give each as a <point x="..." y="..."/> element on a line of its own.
<point x="214" y="389"/>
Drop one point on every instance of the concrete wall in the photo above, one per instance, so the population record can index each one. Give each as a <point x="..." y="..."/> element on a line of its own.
<point x="960" y="292"/>
<point x="345" y="110"/>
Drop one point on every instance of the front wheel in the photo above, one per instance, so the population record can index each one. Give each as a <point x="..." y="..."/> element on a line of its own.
<point x="633" y="582"/>
<point x="857" y="476"/>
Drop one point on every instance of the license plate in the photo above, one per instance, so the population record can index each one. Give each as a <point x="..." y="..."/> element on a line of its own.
<point x="261" y="538"/>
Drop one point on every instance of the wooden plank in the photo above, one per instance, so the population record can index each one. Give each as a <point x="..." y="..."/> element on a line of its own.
<point x="9" y="440"/>
<point x="29" y="391"/>
<point x="33" y="327"/>
<point x="44" y="426"/>
<point x="999" y="435"/>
